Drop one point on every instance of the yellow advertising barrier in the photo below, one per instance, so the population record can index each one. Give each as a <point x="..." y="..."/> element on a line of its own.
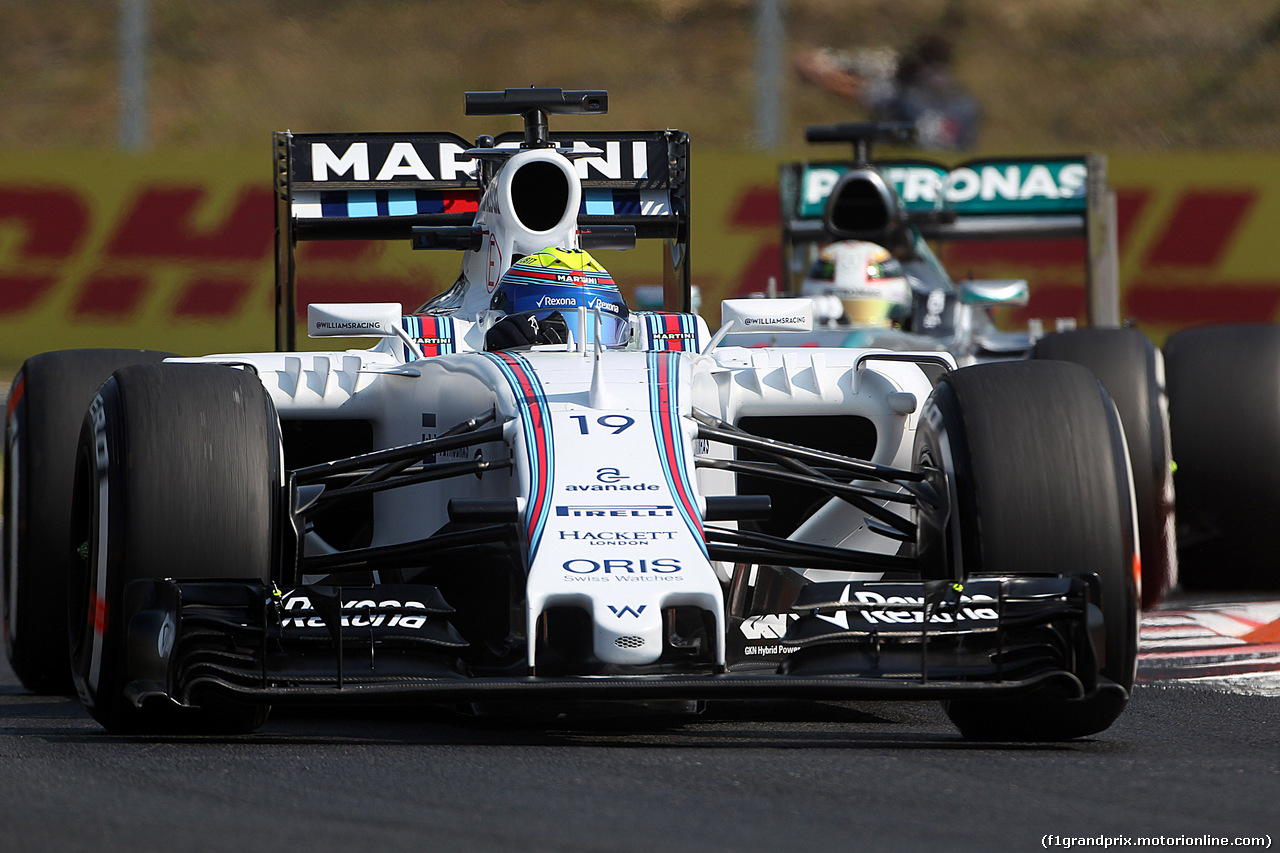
<point x="173" y="251"/>
<point x="1198" y="238"/>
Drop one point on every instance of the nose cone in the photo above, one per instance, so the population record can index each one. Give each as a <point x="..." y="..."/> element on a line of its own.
<point x="627" y="633"/>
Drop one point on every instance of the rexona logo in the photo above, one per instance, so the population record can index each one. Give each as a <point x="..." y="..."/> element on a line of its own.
<point x="615" y="511"/>
<point x="591" y="304"/>
<point x="298" y="606"/>
<point x="972" y="609"/>
<point x="661" y="566"/>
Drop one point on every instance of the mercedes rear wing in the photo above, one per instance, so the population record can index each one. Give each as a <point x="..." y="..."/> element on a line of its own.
<point x="989" y="198"/>
<point x="380" y="186"/>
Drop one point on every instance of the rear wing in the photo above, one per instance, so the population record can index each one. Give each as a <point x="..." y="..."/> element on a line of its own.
<point x="989" y="198"/>
<point x="380" y="186"/>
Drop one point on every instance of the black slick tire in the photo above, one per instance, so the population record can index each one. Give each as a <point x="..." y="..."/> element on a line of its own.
<point x="178" y="476"/>
<point x="1038" y="482"/>
<point x="1224" y="417"/>
<point x="47" y="402"/>
<point x="1131" y="368"/>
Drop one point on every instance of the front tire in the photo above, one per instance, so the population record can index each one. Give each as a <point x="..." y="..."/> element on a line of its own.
<point x="47" y="402"/>
<point x="179" y="475"/>
<point x="1039" y="483"/>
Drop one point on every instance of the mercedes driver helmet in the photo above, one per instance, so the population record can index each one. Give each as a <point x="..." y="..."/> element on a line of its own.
<point x="545" y="289"/>
<point x="866" y="279"/>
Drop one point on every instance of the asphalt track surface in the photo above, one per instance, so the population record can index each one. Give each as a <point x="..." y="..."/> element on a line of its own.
<point x="1187" y="760"/>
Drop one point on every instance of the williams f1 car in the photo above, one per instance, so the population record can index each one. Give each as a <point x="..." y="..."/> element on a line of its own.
<point x="524" y="494"/>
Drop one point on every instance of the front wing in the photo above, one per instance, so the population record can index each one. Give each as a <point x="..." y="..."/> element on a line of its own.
<point x="397" y="644"/>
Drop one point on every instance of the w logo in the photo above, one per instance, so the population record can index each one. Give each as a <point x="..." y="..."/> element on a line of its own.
<point x="621" y="611"/>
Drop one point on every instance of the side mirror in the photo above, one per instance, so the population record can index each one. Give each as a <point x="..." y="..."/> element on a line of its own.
<point x="354" y="319"/>
<point x="768" y="315"/>
<point x="994" y="291"/>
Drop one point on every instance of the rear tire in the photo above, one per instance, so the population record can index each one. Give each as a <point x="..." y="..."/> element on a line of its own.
<point x="47" y="402"/>
<point x="1131" y="368"/>
<point x="1224" y="413"/>
<point x="1039" y="483"/>
<point x="179" y="476"/>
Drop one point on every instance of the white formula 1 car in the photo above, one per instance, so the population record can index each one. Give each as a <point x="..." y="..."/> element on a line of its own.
<point x="553" y="501"/>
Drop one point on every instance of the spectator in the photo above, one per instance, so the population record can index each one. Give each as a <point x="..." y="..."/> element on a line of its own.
<point x="919" y="87"/>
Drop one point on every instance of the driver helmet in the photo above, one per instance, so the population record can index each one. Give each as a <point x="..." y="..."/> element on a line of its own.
<point x="866" y="279"/>
<point x="557" y="281"/>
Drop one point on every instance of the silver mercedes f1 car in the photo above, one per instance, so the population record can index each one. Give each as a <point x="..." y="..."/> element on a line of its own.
<point x="865" y="234"/>
<point x="525" y="494"/>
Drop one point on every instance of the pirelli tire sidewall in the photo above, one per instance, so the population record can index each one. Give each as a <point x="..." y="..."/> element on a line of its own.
<point x="97" y="640"/>
<point x="179" y="472"/>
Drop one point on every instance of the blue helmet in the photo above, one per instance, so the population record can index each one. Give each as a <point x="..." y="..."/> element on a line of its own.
<point x="560" y="281"/>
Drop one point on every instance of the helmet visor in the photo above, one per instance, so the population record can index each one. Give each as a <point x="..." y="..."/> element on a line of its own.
<point x="582" y="324"/>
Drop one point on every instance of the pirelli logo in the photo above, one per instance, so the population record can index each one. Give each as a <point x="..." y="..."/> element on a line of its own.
<point x="609" y="511"/>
